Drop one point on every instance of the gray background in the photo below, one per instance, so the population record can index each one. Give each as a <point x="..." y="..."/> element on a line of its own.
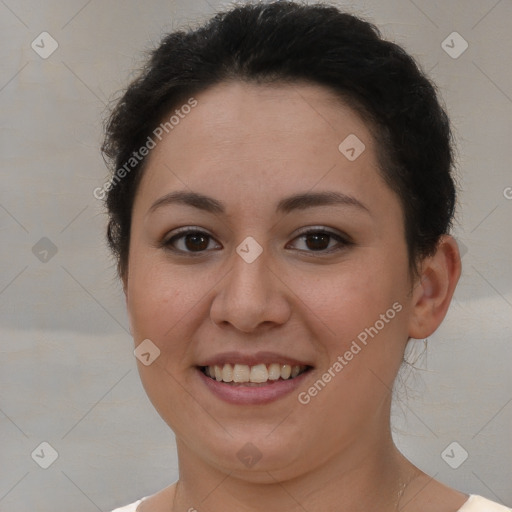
<point x="67" y="372"/>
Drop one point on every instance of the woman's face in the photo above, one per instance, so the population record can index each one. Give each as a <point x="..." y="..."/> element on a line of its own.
<point x="253" y="290"/>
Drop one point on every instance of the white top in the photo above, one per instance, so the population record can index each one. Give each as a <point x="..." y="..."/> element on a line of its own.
<point x="473" y="504"/>
<point x="478" y="504"/>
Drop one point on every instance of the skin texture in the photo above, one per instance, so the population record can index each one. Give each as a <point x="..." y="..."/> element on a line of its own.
<point x="249" y="146"/>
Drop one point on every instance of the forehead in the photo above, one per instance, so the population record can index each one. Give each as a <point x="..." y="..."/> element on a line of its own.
<point x="254" y="142"/>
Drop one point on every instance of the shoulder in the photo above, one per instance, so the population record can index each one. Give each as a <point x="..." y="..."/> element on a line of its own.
<point x="129" y="508"/>
<point x="157" y="501"/>
<point x="480" y="504"/>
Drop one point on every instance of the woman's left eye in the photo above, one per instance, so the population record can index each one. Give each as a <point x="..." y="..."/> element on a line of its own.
<point x="317" y="240"/>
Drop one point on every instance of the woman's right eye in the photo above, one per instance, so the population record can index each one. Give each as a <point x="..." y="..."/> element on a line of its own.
<point x="189" y="241"/>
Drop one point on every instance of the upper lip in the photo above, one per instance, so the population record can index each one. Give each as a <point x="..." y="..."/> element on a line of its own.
<point x="235" y="357"/>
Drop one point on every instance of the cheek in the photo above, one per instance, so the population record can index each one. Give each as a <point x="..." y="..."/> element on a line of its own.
<point x="355" y="297"/>
<point x="159" y="303"/>
<point x="365" y="308"/>
<point x="362" y="357"/>
<point x="159" y="298"/>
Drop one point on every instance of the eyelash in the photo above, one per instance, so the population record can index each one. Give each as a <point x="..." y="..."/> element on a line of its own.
<point x="343" y="242"/>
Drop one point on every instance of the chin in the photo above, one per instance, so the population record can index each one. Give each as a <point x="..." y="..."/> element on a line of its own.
<point x="249" y="457"/>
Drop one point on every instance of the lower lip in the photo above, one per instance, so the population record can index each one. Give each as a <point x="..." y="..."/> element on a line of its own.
<point x="252" y="395"/>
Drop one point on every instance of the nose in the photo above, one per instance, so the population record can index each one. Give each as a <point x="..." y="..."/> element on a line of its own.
<point x="251" y="296"/>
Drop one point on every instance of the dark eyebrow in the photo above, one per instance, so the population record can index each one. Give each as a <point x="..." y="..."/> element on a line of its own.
<point x="295" y="202"/>
<point x="310" y="199"/>
<point x="191" y="199"/>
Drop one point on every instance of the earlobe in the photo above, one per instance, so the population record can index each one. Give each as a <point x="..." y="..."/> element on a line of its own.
<point x="434" y="289"/>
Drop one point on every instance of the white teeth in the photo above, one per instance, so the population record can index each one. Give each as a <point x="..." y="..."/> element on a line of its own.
<point x="241" y="373"/>
<point x="286" y="371"/>
<point x="274" y="371"/>
<point x="258" y="373"/>
<point x="227" y="373"/>
<point x="295" y="371"/>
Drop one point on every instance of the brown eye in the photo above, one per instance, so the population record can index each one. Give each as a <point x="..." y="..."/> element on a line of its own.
<point x="317" y="241"/>
<point x="189" y="241"/>
<point x="321" y="241"/>
<point x="196" y="242"/>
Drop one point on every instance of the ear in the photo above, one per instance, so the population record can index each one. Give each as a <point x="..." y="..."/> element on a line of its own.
<point x="433" y="291"/>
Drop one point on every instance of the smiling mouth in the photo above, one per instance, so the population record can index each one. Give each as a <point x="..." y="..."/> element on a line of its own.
<point x="242" y="374"/>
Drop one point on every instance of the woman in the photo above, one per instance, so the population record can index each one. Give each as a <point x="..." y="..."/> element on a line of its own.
<point x="279" y="209"/>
